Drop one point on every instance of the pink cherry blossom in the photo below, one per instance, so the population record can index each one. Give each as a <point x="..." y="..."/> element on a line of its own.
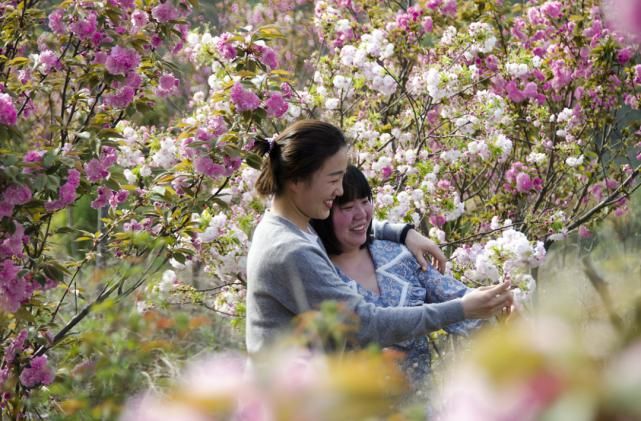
<point x="38" y="372"/>
<point x="164" y="12"/>
<point x="104" y="194"/>
<point x="225" y="47"/>
<point x="49" y="61"/>
<point x="276" y="105"/>
<point x="16" y="346"/>
<point x="56" y="21"/>
<point x="624" y="55"/>
<point x="139" y="18"/>
<point x="562" y="75"/>
<point x="524" y="183"/>
<point x="584" y="232"/>
<point x="85" y="28"/>
<point x="231" y="164"/>
<point x="17" y="194"/>
<point x="217" y="125"/>
<point x="427" y="24"/>
<point x="121" y="98"/>
<point x="552" y="9"/>
<point x="13" y="289"/>
<point x="243" y="99"/>
<point x="118" y="198"/>
<point x="98" y="169"/>
<point x="205" y="165"/>
<point x="122" y="60"/>
<point x="513" y="92"/>
<point x="8" y="113"/>
<point x="66" y="193"/>
<point x="6" y="209"/>
<point x="125" y="4"/>
<point x="286" y="90"/>
<point x="268" y="57"/>
<point x="13" y="245"/>
<point x="437" y="220"/>
<point x="167" y="85"/>
<point x="95" y="171"/>
<point x="33" y="156"/>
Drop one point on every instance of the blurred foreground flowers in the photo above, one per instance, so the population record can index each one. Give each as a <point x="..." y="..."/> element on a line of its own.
<point x="287" y="384"/>
<point x="545" y="368"/>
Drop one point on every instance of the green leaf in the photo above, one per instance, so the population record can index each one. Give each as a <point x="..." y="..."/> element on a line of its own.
<point x="65" y="230"/>
<point x="18" y="61"/>
<point x="254" y="161"/>
<point x="48" y="159"/>
<point x="108" y="133"/>
<point x="54" y="271"/>
<point x="179" y="257"/>
<point x="112" y="184"/>
<point x="220" y="202"/>
<point x="39" y="182"/>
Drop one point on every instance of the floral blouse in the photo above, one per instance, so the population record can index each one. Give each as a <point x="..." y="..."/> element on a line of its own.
<point x="402" y="283"/>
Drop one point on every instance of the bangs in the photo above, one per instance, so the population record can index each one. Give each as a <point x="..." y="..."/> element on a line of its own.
<point x="355" y="186"/>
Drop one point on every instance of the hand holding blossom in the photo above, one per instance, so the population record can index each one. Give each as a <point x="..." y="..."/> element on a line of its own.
<point x="420" y="245"/>
<point x="485" y="302"/>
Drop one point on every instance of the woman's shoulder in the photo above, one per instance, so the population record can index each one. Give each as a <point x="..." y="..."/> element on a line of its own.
<point x="386" y="250"/>
<point x="279" y="238"/>
<point x="394" y="258"/>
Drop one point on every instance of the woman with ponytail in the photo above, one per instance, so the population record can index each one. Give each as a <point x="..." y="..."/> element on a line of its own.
<point x="288" y="269"/>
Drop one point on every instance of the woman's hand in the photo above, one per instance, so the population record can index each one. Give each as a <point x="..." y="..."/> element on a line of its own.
<point x="419" y="245"/>
<point x="485" y="302"/>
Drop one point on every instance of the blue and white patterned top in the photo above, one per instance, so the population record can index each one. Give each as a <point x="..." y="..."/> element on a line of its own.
<point x="402" y="283"/>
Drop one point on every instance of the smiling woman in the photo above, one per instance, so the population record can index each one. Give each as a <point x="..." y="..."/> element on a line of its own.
<point x="384" y="273"/>
<point x="288" y="269"/>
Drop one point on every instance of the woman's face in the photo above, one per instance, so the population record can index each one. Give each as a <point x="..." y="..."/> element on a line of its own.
<point x="314" y="197"/>
<point x="350" y="221"/>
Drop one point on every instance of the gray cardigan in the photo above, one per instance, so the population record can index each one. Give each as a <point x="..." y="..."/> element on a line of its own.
<point x="287" y="275"/>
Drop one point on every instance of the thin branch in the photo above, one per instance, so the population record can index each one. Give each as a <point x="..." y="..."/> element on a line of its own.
<point x="601" y="287"/>
<point x="479" y="235"/>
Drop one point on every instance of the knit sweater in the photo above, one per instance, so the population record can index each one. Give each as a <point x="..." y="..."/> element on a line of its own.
<point x="288" y="273"/>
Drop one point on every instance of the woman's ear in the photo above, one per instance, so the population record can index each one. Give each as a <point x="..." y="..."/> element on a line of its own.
<point x="295" y="186"/>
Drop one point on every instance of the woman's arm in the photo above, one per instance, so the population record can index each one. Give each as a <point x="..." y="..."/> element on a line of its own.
<point x="306" y="269"/>
<point x="441" y="288"/>
<point x="418" y="244"/>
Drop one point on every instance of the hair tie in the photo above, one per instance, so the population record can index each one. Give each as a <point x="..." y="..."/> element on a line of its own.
<point x="271" y="143"/>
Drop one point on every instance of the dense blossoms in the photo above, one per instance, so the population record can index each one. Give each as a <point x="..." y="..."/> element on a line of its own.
<point x="66" y="193"/>
<point x="167" y="85"/>
<point x="8" y="114"/>
<point x="38" y="373"/>
<point x="14" y="289"/>
<point x="122" y="60"/>
<point x="243" y="99"/>
<point x="84" y="28"/>
<point x="276" y="105"/>
<point x="164" y="12"/>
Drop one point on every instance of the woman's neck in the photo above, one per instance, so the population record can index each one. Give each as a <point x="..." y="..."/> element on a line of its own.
<point x="349" y="257"/>
<point x="358" y="265"/>
<point x="284" y="207"/>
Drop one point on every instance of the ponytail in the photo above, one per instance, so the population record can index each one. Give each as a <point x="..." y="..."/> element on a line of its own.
<point x="267" y="182"/>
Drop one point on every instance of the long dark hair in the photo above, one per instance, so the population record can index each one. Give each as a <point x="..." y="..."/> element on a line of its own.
<point x="355" y="186"/>
<point x="298" y="152"/>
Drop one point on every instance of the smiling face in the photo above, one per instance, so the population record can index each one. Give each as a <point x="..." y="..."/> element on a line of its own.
<point x="351" y="221"/>
<point x="314" y="197"/>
